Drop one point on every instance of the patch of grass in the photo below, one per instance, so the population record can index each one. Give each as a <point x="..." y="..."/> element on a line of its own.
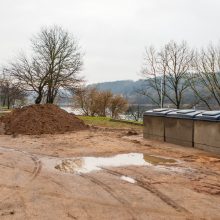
<point x="2" y="107"/>
<point x="128" y="121"/>
<point x="4" y="112"/>
<point x="106" y="122"/>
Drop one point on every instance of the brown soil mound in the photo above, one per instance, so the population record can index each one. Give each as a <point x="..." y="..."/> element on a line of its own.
<point x="41" y="119"/>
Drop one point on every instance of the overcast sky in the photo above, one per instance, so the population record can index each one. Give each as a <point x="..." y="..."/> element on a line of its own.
<point x="113" y="33"/>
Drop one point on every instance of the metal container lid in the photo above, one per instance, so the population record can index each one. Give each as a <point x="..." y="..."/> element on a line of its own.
<point x="209" y="116"/>
<point x="185" y="114"/>
<point x="158" y="112"/>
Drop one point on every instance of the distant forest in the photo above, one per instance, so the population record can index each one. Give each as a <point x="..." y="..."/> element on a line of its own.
<point x="127" y="88"/>
<point x="175" y="75"/>
<point x="130" y="90"/>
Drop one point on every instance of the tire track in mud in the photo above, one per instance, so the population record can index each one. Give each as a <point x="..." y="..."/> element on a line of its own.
<point x="37" y="167"/>
<point x="36" y="161"/>
<point x="202" y="180"/>
<point x="35" y="172"/>
<point x="111" y="192"/>
<point x="18" y="204"/>
<point x="63" y="187"/>
<point x="149" y="187"/>
<point x="86" y="212"/>
<point x="23" y="205"/>
<point x="7" y="166"/>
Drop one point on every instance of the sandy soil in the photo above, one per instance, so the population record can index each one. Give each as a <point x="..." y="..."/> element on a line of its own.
<point x="31" y="189"/>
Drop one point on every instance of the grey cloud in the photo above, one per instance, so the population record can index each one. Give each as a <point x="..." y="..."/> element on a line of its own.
<point x="112" y="33"/>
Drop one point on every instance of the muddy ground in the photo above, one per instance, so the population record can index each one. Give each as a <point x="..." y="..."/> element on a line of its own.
<point x="185" y="187"/>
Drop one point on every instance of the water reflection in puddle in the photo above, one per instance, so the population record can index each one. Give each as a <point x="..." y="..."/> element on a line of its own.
<point x="89" y="164"/>
<point x="158" y="160"/>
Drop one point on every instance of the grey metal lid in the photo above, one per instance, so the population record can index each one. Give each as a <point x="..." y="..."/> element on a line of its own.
<point x="209" y="116"/>
<point x="185" y="113"/>
<point x="159" y="112"/>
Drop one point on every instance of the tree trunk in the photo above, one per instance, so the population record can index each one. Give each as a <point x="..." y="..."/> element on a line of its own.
<point x="8" y="103"/>
<point x="4" y="101"/>
<point x="178" y="105"/>
<point x="38" y="99"/>
<point x="51" y="95"/>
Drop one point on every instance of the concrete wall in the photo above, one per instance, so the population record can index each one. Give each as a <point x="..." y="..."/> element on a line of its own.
<point x="203" y="135"/>
<point x="179" y="131"/>
<point x="154" y="127"/>
<point x="207" y="136"/>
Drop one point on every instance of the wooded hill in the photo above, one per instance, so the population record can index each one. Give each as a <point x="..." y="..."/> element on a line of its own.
<point x="129" y="89"/>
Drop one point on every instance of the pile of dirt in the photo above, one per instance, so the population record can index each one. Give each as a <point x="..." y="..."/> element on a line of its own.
<point x="40" y="119"/>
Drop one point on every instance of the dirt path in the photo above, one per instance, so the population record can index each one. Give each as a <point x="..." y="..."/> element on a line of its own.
<point x="31" y="188"/>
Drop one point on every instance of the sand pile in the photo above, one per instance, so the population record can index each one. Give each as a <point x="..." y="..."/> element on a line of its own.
<point x="40" y="119"/>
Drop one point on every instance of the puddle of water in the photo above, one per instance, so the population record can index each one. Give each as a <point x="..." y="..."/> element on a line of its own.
<point x="158" y="160"/>
<point x="128" y="179"/>
<point x="89" y="164"/>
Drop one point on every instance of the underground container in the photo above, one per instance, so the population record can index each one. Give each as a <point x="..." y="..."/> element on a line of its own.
<point x="154" y="123"/>
<point x="207" y="131"/>
<point x="179" y="127"/>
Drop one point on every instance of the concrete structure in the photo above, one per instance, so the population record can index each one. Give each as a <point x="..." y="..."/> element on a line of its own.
<point x="207" y="131"/>
<point x="179" y="127"/>
<point x="154" y="123"/>
<point x="191" y="128"/>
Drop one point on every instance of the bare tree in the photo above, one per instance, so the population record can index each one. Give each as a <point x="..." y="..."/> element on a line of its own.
<point x="31" y="75"/>
<point x="118" y="105"/>
<point x="135" y="111"/>
<point x="166" y="72"/>
<point x="103" y="102"/>
<point x="94" y="102"/>
<point x="81" y="100"/>
<point x="153" y="71"/>
<point x="205" y="80"/>
<point x="10" y="92"/>
<point x="55" y="63"/>
<point x="178" y="59"/>
<point x="87" y="99"/>
<point x="60" y="54"/>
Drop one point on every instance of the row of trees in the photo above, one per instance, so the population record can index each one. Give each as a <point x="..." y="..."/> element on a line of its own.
<point x="135" y="112"/>
<point x="94" y="102"/>
<point x="176" y="68"/>
<point x="10" y="92"/>
<point x="53" y="65"/>
<point x="55" y="62"/>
